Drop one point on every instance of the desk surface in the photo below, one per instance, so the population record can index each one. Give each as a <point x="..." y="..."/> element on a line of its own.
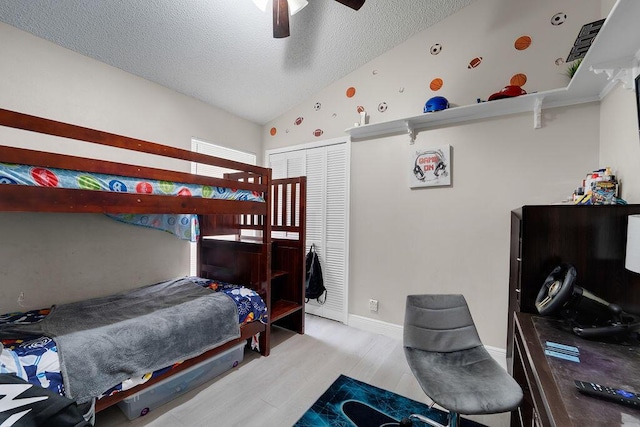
<point x="607" y="364"/>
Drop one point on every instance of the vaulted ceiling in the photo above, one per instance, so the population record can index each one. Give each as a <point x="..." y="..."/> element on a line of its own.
<point x="222" y="51"/>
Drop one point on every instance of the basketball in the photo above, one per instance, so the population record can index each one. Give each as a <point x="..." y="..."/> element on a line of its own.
<point x="436" y="84"/>
<point x="350" y="92"/>
<point x="518" y="79"/>
<point x="522" y="42"/>
<point x="273" y="131"/>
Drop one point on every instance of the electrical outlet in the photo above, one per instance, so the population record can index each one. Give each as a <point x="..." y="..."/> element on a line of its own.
<point x="373" y="304"/>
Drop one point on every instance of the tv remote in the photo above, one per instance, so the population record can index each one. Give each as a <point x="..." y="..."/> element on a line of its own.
<point x="609" y="393"/>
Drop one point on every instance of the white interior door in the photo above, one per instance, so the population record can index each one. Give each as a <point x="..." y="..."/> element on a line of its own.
<point x="208" y="170"/>
<point x="326" y="169"/>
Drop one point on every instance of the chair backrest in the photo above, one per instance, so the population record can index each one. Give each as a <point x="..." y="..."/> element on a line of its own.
<point x="439" y="323"/>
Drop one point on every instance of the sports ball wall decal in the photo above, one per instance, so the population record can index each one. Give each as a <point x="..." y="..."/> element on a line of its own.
<point x="351" y="92"/>
<point x="558" y="18"/>
<point x="475" y="62"/>
<point x="436" y="84"/>
<point x="522" y="42"/>
<point x="519" y="79"/>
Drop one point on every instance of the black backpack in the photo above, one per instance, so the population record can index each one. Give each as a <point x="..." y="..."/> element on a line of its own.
<point x="314" y="286"/>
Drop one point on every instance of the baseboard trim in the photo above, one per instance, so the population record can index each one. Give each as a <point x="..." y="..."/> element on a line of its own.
<point x="375" y="326"/>
<point x="395" y="331"/>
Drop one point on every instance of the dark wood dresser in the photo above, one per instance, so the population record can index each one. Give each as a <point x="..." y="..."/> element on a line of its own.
<point x="593" y="239"/>
<point x="550" y="396"/>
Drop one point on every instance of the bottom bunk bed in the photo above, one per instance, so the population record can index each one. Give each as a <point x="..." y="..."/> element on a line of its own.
<point x="100" y="351"/>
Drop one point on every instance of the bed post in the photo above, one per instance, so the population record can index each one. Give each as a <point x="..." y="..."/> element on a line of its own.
<point x="265" y="338"/>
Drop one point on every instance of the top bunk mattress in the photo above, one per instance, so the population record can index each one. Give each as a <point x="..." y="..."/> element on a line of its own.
<point x="65" y="178"/>
<point x="184" y="226"/>
<point x="49" y="181"/>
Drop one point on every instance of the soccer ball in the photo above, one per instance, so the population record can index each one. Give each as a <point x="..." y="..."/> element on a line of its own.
<point x="558" y="18"/>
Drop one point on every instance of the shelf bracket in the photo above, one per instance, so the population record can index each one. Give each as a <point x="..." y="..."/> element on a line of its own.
<point x="622" y="70"/>
<point x="537" y="113"/>
<point x="411" y="132"/>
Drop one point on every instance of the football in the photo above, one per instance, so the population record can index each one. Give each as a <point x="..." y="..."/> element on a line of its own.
<point x="475" y="62"/>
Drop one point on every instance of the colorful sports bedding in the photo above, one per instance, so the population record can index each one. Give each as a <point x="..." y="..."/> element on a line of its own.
<point x="183" y="226"/>
<point x="35" y="358"/>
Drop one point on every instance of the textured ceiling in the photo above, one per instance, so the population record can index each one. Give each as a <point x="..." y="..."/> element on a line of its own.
<point x="222" y="51"/>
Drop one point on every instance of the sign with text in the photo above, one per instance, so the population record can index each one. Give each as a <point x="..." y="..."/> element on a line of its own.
<point x="430" y="167"/>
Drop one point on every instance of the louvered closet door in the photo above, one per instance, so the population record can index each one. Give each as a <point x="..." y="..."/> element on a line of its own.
<point x="326" y="171"/>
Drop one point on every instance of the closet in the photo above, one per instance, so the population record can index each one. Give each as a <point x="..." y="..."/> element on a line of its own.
<point x="326" y="166"/>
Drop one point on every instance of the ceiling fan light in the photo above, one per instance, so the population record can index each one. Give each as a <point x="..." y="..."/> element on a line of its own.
<point x="262" y="4"/>
<point x="296" y="6"/>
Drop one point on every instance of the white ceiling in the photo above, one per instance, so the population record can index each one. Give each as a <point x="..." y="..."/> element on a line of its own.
<point x="222" y="51"/>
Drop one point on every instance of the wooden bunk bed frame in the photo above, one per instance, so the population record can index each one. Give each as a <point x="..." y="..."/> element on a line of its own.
<point x="283" y="278"/>
<point x="257" y="262"/>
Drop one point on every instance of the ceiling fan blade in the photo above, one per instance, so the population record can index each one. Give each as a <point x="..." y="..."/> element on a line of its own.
<point x="353" y="4"/>
<point x="280" y="19"/>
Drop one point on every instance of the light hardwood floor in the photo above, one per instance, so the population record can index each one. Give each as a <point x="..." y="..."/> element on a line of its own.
<point x="275" y="391"/>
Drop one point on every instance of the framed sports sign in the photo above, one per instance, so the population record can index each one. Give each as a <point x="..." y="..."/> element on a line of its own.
<point x="430" y="167"/>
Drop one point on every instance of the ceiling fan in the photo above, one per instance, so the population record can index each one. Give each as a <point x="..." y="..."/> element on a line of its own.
<point x="281" y="12"/>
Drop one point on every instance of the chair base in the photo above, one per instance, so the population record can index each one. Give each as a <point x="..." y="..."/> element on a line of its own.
<point x="453" y="420"/>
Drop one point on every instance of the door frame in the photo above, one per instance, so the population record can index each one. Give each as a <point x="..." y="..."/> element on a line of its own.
<point x="318" y="144"/>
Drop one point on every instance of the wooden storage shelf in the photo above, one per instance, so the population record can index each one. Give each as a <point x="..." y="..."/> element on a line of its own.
<point x="278" y="273"/>
<point x="282" y="308"/>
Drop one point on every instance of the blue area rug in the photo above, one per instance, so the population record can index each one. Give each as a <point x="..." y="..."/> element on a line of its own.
<point x="350" y="402"/>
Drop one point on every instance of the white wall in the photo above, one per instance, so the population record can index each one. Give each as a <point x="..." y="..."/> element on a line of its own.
<point x="454" y="239"/>
<point x="401" y="77"/>
<point x="52" y="258"/>
<point x="619" y="142"/>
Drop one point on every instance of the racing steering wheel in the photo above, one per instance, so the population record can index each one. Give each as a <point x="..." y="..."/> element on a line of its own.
<point x="556" y="289"/>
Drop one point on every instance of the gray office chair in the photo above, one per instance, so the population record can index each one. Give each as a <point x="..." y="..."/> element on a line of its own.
<point x="447" y="358"/>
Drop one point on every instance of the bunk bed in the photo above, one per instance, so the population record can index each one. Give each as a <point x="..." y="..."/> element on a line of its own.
<point x="244" y="200"/>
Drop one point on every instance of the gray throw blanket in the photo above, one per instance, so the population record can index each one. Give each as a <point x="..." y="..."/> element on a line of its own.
<point x="104" y="341"/>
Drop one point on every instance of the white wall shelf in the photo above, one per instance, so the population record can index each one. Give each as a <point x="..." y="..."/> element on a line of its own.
<point x="617" y="47"/>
